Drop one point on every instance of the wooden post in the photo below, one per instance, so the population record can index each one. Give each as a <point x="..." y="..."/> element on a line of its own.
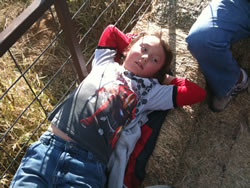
<point x="66" y="22"/>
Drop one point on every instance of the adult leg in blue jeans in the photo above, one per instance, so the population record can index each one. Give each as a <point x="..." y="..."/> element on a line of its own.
<point x="220" y="24"/>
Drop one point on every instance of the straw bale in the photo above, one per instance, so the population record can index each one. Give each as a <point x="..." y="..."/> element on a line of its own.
<point x="197" y="147"/>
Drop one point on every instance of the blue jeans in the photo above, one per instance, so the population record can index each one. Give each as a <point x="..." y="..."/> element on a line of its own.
<point x="220" y="24"/>
<point x="54" y="162"/>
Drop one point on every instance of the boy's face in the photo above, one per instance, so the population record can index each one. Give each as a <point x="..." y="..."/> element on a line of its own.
<point x="146" y="57"/>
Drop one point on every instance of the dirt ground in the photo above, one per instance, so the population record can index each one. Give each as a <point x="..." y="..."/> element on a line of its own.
<point x="197" y="147"/>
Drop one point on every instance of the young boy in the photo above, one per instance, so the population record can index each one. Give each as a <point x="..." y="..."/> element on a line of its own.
<point x="74" y="152"/>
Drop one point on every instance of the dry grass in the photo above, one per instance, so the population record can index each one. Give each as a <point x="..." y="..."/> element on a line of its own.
<point x="196" y="147"/>
<point x="20" y="96"/>
<point x="25" y="51"/>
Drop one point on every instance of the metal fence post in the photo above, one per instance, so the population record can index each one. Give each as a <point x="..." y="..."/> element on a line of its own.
<point x="22" y="23"/>
<point x="65" y="20"/>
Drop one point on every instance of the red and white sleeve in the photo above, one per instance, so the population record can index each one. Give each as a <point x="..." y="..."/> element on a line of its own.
<point x="114" y="38"/>
<point x="188" y="92"/>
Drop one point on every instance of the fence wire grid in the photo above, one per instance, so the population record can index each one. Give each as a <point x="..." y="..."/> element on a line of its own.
<point x="37" y="72"/>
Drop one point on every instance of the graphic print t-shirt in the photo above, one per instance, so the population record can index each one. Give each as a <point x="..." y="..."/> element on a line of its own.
<point x="106" y="102"/>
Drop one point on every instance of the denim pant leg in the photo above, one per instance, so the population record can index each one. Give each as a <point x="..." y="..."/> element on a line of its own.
<point x="53" y="162"/>
<point x="35" y="168"/>
<point x="220" y="24"/>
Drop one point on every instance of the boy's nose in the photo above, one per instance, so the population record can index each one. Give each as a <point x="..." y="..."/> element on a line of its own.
<point x="144" y="57"/>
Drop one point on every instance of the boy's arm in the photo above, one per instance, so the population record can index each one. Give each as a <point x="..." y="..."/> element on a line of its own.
<point x="113" y="38"/>
<point x="187" y="92"/>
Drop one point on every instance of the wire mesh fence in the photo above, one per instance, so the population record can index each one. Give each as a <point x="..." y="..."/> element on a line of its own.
<point x="37" y="71"/>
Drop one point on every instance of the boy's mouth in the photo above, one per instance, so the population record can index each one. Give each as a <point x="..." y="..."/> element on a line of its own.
<point x="139" y="65"/>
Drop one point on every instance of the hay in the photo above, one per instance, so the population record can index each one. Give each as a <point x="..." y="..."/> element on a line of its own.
<point x="196" y="147"/>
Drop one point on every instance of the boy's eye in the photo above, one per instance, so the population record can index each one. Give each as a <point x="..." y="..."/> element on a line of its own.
<point x="143" y="48"/>
<point x="155" y="60"/>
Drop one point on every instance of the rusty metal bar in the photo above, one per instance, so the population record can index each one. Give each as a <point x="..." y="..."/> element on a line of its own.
<point x="22" y="23"/>
<point x="70" y="37"/>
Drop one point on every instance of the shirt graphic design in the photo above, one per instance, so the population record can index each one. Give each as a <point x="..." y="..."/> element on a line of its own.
<point x="113" y="108"/>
